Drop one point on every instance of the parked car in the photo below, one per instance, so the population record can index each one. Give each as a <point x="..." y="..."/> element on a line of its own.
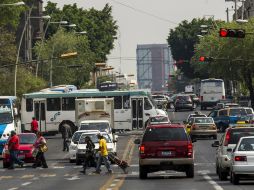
<point x="74" y="143"/>
<point x="26" y="148"/>
<point x="242" y="160"/>
<point x="183" y="102"/>
<point x="224" y="117"/>
<point x="165" y="147"/>
<point x="228" y="140"/>
<point x="81" y="147"/>
<point x="202" y="126"/>
<point x="195" y="99"/>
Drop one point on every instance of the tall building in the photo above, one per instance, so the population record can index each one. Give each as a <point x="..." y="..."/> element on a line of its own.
<point x="154" y="65"/>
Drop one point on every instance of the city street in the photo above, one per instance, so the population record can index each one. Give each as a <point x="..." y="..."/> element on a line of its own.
<point x="64" y="175"/>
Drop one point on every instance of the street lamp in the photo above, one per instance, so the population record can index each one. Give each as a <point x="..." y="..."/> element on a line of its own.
<point x="13" y="4"/>
<point x="41" y="17"/>
<point x="82" y="32"/>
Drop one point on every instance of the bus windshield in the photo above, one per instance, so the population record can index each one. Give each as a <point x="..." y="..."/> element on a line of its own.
<point x="5" y="114"/>
<point x="101" y="126"/>
<point x="212" y="86"/>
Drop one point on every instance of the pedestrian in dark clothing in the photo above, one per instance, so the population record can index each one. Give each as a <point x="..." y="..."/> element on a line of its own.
<point x="89" y="159"/>
<point x="13" y="146"/>
<point x="66" y="135"/>
<point x="34" y="125"/>
<point x="40" y="158"/>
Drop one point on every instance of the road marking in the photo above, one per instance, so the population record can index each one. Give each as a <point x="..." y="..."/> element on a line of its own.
<point x="73" y="178"/>
<point x="58" y="167"/>
<point x="26" y="183"/>
<point x="26" y="176"/>
<point x="14" y="188"/>
<point x="6" y="177"/>
<point x="215" y="185"/>
<point x="48" y="175"/>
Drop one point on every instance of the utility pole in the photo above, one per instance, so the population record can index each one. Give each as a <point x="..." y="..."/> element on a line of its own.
<point x="236" y="17"/>
<point x="227" y="11"/>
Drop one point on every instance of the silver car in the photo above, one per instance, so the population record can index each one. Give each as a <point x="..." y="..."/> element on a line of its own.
<point x="242" y="160"/>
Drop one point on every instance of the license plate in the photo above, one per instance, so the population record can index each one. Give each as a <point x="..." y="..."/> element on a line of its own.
<point x="21" y="156"/>
<point x="166" y="153"/>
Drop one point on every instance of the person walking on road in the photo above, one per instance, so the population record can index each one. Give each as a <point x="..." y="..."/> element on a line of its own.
<point x="103" y="155"/>
<point x="34" y="125"/>
<point x="89" y="159"/>
<point x="40" y="144"/>
<point x="66" y="135"/>
<point x="13" y="146"/>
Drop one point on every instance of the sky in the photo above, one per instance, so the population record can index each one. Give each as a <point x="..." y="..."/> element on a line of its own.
<point x="149" y="22"/>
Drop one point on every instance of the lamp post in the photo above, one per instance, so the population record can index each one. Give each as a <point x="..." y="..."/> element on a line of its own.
<point x="13" y="4"/>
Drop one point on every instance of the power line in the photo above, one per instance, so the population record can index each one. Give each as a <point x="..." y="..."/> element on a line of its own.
<point x="144" y="12"/>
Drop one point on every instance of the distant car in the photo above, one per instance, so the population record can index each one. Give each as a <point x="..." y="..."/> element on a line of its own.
<point x="159" y="119"/>
<point x="187" y="122"/>
<point x="74" y="143"/>
<point x="228" y="141"/>
<point x="161" y="101"/>
<point x="165" y="147"/>
<point x="183" y="102"/>
<point x="242" y="162"/>
<point x="230" y="105"/>
<point x="202" y="126"/>
<point x="26" y="148"/>
<point x="81" y="147"/>
<point x="195" y="99"/>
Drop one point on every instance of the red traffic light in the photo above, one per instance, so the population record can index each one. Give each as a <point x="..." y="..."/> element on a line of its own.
<point x="202" y="59"/>
<point x="223" y="32"/>
<point x="232" y="33"/>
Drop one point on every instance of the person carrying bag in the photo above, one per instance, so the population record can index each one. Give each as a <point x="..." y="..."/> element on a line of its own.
<point x="41" y="146"/>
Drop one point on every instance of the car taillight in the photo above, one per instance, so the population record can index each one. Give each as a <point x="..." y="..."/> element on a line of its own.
<point x="241" y="158"/>
<point x="223" y="97"/>
<point x="201" y="98"/>
<point x="142" y="149"/>
<point x="190" y="150"/>
<point x="227" y="138"/>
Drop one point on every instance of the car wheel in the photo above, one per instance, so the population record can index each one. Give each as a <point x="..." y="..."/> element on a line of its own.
<point x="142" y="172"/>
<point x="189" y="171"/>
<point x="222" y="175"/>
<point x="234" y="178"/>
<point x="78" y="162"/>
<point x="6" y="164"/>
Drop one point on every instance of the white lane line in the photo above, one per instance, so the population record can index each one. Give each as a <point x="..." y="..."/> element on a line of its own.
<point x="26" y="183"/>
<point x="58" y="167"/>
<point x="14" y="188"/>
<point x="113" y="185"/>
<point x="212" y="182"/>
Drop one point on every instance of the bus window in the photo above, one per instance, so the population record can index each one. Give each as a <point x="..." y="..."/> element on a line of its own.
<point x="147" y="104"/>
<point x="68" y="103"/>
<point x="118" y="102"/>
<point x="29" y="105"/>
<point x="126" y="102"/>
<point x="53" y="104"/>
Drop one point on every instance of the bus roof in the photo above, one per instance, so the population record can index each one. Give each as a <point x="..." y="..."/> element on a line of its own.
<point x="8" y="97"/>
<point x="82" y="93"/>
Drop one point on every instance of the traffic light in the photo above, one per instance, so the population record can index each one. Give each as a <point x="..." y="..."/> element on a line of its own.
<point x="205" y="59"/>
<point x="67" y="55"/>
<point x="232" y="33"/>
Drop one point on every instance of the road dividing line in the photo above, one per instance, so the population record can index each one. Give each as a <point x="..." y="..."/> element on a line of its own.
<point x="14" y="188"/>
<point x="26" y="176"/>
<point x="215" y="185"/>
<point x="114" y="182"/>
<point x="6" y="177"/>
<point x="26" y="183"/>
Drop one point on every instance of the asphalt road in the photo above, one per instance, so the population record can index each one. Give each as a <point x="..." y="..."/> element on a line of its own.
<point x="64" y="175"/>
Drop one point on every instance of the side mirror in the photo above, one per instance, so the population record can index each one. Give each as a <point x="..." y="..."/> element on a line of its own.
<point x="137" y="141"/>
<point x="216" y="144"/>
<point x="147" y="114"/>
<point x="229" y="149"/>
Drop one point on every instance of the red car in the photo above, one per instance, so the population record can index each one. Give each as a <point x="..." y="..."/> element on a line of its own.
<point x="26" y="147"/>
<point x="165" y="147"/>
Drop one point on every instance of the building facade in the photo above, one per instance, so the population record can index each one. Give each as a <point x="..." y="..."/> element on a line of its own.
<point x="154" y="65"/>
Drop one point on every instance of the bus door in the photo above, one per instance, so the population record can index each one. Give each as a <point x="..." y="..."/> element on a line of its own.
<point x="137" y="113"/>
<point x="40" y="114"/>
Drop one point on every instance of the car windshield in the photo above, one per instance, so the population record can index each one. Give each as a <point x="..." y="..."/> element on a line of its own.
<point x="239" y="111"/>
<point x="236" y="134"/>
<point x="196" y="115"/>
<point x="94" y="138"/>
<point x="183" y="98"/>
<point x="27" y="139"/>
<point x="159" y="119"/>
<point x="247" y="144"/>
<point x="249" y="110"/>
<point x="165" y="134"/>
<point x="101" y="126"/>
<point x="204" y="120"/>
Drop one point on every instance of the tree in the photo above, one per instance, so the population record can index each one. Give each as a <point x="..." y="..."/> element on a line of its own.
<point x="72" y="70"/>
<point x="182" y="40"/>
<point x="233" y="57"/>
<point x="100" y="27"/>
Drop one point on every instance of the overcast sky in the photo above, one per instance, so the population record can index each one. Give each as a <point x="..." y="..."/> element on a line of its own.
<point x="148" y="22"/>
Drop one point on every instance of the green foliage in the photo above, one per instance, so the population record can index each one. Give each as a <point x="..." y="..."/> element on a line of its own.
<point x="65" y="42"/>
<point x="99" y="24"/>
<point x="182" y="40"/>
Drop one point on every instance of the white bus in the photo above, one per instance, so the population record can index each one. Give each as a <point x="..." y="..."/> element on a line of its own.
<point x="8" y="119"/>
<point x="131" y="108"/>
<point x="211" y="92"/>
